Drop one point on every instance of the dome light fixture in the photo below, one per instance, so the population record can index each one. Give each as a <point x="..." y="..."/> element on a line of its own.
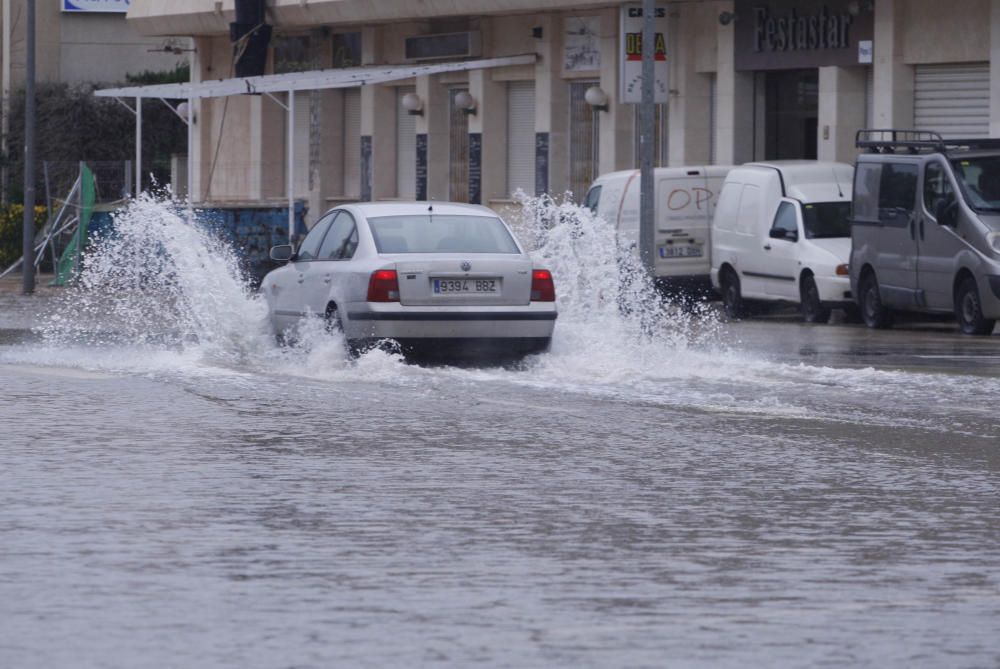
<point x="596" y="98"/>
<point x="466" y="103"/>
<point x="413" y="105"/>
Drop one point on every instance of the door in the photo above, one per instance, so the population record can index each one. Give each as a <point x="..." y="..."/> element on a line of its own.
<point x="895" y="239"/>
<point x="290" y="300"/>
<point x="748" y="243"/>
<point x="938" y="243"/>
<point x="325" y="276"/>
<point x="782" y="253"/>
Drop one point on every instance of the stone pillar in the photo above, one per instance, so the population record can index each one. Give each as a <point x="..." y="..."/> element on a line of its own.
<point x="551" y="110"/>
<point x="378" y="142"/>
<point x="689" y="123"/>
<point x="994" y="68"/>
<point x="433" y="125"/>
<point x="489" y="123"/>
<point x="734" y="100"/>
<point x="841" y="112"/>
<point x="616" y="136"/>
<point x="893" y="78"/>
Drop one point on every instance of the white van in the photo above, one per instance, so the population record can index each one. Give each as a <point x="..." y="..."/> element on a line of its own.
<point x="684" y="202"/>
<point x="782" y="232"/>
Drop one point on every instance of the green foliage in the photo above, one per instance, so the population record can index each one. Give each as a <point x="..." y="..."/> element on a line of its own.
<point x="11" y="229"/>
<point x="181" y="74"/>
<point x="74" y="125"/>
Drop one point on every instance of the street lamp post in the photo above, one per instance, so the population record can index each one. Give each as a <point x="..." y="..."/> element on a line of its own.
<point x="28" y="248"/>
<point x="646" y="137"/>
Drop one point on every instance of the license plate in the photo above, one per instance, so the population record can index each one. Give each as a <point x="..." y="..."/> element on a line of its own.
<point x="465" y="286"/>
<point x="677" y="251"/>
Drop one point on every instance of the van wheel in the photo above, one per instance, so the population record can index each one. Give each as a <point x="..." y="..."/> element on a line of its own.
<point x="732" y="299"/>
<point x="813" y="310"/>
<point x="969" y="310"/>
<point x="873" y="312"/>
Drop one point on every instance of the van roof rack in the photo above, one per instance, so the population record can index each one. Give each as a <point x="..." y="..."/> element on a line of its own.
<point x="889" y="140"/>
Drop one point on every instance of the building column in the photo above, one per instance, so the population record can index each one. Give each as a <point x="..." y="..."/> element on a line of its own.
<point x="616" y="134"/>
<point x="432" y="139"/>
<point x="378" y="142"/>
<point x="994" y="68"/>
<point x="488" y="139"/>
<point x="551" y="111"/>
<point x="734" y="100"/>
<point x="690" y="121"/>
<point x="893" y="78"/>
<point x="841" y="112"/>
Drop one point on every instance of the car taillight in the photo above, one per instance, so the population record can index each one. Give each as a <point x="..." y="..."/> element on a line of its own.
<point x="542" y="288"/>
<point x="383" y="286"/>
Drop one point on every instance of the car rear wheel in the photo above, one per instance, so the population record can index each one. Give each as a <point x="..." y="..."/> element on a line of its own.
<point x="873" y="312"/>
<point x="813" y="310"/>
<point x="732" y="298"/>
<point x="969" y="310"/>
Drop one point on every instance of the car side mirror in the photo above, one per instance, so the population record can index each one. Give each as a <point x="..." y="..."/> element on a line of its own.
<point x="946" y="212"/>
<point x="282" y="252"/>
<point x="782" y="233"/>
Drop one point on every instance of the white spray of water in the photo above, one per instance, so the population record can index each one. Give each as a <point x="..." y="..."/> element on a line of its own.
<point x="162" y="294"/>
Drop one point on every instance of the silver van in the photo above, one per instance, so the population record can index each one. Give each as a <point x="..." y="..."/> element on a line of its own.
<point x="925" y="233"/>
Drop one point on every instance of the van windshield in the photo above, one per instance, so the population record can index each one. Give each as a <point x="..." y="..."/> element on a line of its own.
<point x="979" y="179"/>
<point x="823" y="220"/>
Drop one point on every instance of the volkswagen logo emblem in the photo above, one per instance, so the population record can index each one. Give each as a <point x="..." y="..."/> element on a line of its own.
<point x="466" y="265"/>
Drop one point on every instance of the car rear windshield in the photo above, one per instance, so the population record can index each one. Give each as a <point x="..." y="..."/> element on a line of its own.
<point x="827" y="219"/>
<point x="431" y="233"/>
<point x="979" y="179"/>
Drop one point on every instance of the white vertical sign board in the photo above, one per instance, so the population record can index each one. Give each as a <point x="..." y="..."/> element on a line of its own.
<point x="630" y="55"/>
<point x="104" y="6"/>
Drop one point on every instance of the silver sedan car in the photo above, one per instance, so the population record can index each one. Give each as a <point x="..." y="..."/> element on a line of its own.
<point x="439" y="278"/>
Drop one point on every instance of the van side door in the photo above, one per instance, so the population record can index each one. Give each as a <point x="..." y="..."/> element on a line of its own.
<point x="895" y="238"/>
<point x="938" y="241"/>
<point x="781" y="249"/>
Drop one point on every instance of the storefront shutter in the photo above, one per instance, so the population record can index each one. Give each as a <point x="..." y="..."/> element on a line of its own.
<point x="303" y="114"/>
<point x="953" y="99"/>
<point x="458" y="150"/>
<point x="406" y="148"/>
<point x="352" y="142"/>
<point x="521" y="137"/>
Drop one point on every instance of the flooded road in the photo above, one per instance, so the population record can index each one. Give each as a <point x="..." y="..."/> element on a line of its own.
<point x="179" y="491"/>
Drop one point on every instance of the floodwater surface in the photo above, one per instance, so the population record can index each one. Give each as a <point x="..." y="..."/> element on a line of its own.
<point x="661" y="489"/>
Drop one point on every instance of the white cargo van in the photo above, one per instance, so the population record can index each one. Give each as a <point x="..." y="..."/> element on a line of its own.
<point x="782" y="232"/>
<point x="684" y="202"/>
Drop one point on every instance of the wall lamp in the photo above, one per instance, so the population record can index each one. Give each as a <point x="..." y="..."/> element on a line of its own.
<point x="465" y="102"/>
<point x="725" y="18"/>
<point x="596" y="98"/>
<point x="413" y="105"/>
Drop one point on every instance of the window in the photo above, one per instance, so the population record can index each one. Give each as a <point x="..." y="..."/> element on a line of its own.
<point x="346" y="50"/>
<point x="583" y="139"/>
<point x="866" y="181"/>
<point x="309" y="248"/>
<point x="431" y="233"/>
<point x="979" y="179"/>
<point x="342" y="240"/>
<point x="786" y="219"/>
<point x="897" y="192"/>
<point x="826" y="220"/>
<point x="593" y="197"/>
<point x="937" y="187"/>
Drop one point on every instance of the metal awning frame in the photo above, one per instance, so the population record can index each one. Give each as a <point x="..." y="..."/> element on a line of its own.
<point x="272" y="84"/>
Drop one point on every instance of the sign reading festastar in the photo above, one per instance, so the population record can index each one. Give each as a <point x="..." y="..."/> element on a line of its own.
<point x="630" y="55"/>
<point x="106" y="6"/>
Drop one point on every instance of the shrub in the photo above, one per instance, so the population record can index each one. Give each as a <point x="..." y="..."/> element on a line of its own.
<point x="11" y="229"/>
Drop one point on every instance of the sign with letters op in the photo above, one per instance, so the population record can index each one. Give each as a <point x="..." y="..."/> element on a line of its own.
<point x="630" y="55"/>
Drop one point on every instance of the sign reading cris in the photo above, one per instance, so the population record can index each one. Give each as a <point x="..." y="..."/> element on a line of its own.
<point x="630" y="59"/>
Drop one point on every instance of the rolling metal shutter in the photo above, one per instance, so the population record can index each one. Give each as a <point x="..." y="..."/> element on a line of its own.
<point x="406" y="148"/>
<point x="953" y="100"/>
<point x="303" y="116"/>
<point x="521" y="137"/>
<point x="458" y="150"/>
<point x="352" y="143"/>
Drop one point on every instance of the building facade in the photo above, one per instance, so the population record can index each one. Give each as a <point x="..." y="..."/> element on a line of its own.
<point x="746" y="80"/>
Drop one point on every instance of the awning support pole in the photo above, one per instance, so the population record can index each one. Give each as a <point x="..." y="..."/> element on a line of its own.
<point x="138" y="146"/>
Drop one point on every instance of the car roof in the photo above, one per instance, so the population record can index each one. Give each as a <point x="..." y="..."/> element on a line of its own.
<point x="396" y="208"/>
